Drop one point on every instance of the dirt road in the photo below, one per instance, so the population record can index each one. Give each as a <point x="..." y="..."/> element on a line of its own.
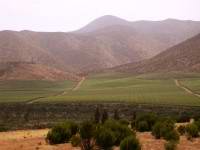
<point x="187" y="90"/>
<point x="79" y="84"/>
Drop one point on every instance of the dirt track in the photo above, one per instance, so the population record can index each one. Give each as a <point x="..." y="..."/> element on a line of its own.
<point x="79" y="84"/>
<point x="178" y="84"/>
<point x="35" y="140"/>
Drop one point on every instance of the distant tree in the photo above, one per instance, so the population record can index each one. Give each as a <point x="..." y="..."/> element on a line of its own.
<point x="97" y="115"/>
<point x="116" y="115"/>
<point x="104" y="116"/>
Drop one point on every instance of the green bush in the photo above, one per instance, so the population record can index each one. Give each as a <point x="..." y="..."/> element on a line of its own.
<point x="120" y="131"/>
<point x="105" y="138"/>
<point x="75" y="140"/>
<point x="197" y="123"/>
<point x="172" y="136"/>
<point x="143" y="126"/>
<point x="165" y="129"/>
<point x="192" y="130"/>
<point x="181" y="129"/>
<point x="87" y="132"/>
<point x="124" y="122"/>
<point x="3" y="128"/>
<point x="171" y="145"/>
<point x="156" y="130"/>
<point x="130" y="143"/>
<point x="148" y="120"/>
<point x="59" y="134"/>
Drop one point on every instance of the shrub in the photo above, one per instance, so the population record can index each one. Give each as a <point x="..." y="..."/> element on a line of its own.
<point x="120" y="131"/>
<point x="87" y="131"/>
<point x="149" y="119"/>
<point x="165" y="129"/>
<point x="142" y="126"/>
<point x="172" y="136"/>
<point x="59" y="134"/>
<point x="3" y="128"/>
<point x="197" y="123"/>
<point x="171" y="145"/>
<point x="192" y="130"/>
<point x="75" y="140"/>
<point x="105" y="138"/>
<point x="130" y="143"/>
<point x="124" y="122"/>
<point x="73" y="127"/>
<point x="181" y="129"/>
<point x="156" y="130"/>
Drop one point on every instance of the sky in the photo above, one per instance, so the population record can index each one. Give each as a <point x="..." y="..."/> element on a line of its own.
<point x="69" y="15"/>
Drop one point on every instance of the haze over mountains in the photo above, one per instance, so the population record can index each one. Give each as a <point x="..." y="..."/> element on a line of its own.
<point x="104" y="43"/>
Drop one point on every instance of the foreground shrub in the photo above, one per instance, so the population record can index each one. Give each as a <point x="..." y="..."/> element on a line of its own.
<point x="124" y="122"/>
<point x="172" y="136"/>
<point x="145" y="122"/>
<point x="87" y="131"/>
<point x="171" y="145"/>
<point x="59" y="134"/>
<point x="143" y="126"/>
<point x="181" y="129"/>
<point x="105" y="138"/>
<point x="165" y="129"/>
<point x="197" y="123"/>
<point x="192" y="130"/>
<point x="130" y="143"/>
<point x="120" y="131"/>
<point x="3" y="128"/>
<point x="75" y="140"/>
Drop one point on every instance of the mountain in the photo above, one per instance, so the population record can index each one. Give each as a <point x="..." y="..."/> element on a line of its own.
<point x="106" y="42"/>
<point x="184" y="57"/>
<point x="102" y="22"/>
<point x="29" y="71"/>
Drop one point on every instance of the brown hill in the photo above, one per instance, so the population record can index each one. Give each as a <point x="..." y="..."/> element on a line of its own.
<point x="28" y="71"/>
<point x="183" y="57"/>
<point x="106" y="42"/>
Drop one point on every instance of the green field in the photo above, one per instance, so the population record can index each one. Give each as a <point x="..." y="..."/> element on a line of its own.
<point x="193" y="84"/>
<point x="136" y="89"/>
<point x="20" y="91"/>
<point x="108" y="87"/>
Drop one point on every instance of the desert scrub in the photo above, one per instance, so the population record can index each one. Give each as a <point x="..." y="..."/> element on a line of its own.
<point x="75" y="140"/>
<point x="130" y="143"/>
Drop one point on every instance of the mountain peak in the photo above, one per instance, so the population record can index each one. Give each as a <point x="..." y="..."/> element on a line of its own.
<point x="102" y="22"/>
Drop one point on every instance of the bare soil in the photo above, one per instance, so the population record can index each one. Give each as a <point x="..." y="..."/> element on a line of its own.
<point x="35" y="140"/>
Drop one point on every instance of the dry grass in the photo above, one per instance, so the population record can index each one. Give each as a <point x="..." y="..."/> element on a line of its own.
<point x="35" y="140"/>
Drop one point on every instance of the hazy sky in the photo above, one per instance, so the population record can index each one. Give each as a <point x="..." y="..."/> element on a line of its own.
<point x="67" y="15"/>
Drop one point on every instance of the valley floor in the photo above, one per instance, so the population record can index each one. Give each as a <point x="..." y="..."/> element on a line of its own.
<point x="35" y="140"/>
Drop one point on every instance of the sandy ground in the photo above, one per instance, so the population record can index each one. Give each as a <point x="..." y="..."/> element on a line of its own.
<point x="35" y="140"/>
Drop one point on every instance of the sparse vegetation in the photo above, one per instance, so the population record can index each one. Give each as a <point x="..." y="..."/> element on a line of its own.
<point x="170" y="145"/>
<point x="75" y="140"/>
<point x="181" y="129"/>
<point x="130" y="143"/>
<point x="192" y="130"/>
<point x="166" y="129"/>
<point x="145" y="122"/>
